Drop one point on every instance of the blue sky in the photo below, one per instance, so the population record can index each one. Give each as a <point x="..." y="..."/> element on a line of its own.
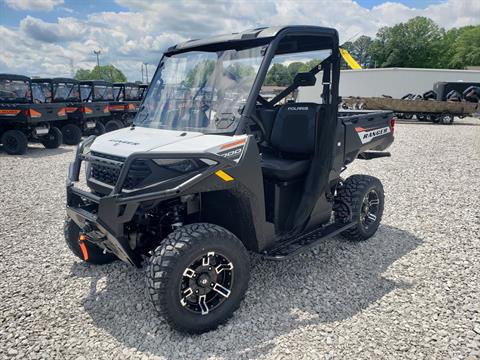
<point x="57" y="37"/>
<point x="11" y="17"/>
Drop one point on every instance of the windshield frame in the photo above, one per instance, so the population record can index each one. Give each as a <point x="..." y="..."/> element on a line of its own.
<point x="327" y="39"/>
<point x="233" y="61"/>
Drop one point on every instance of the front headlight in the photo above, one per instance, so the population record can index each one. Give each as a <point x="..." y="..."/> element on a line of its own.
<point x="181" y="165"/>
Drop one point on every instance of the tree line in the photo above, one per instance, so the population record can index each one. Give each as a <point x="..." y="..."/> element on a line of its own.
<point x="418" y="43"/>
<point x="106" y="72"/>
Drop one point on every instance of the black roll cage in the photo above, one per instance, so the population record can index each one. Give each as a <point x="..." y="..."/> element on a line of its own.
<point x="52" y="81"/>
<point x="14" y="77"/>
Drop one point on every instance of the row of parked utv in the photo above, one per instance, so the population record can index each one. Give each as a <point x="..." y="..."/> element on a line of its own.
<point x="52" y="111"/>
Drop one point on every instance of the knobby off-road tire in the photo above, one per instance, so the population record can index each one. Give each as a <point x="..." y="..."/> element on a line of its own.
<point x="113" y="125"/>
<point x="99" y="129"/>
<point x="172" y="271"/>
<point x="364" y="196"/>
<point x="14" y="142"/>
<point x="95" y="254"/>
<point x="72" y="134"/>
<point x="53" y="139"/>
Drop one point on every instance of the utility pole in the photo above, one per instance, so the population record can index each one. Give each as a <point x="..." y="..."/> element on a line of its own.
<point x="146" y="72"/>
<point x="97" y="52"/>
<point x="142" y="72"/>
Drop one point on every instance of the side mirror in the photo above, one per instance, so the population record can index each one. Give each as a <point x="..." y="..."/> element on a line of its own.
<point x="304" y="79"/>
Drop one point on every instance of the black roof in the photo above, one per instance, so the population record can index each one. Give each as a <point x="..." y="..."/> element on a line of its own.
<point x="143" y="85"/>
<point x="95" y="82"/>
<point x="65" y="80"/>
<point x="14" y="77"/>
<point x="252" y="36"/>
<point x="124" y="84"/>
<point x="39" y="80"/>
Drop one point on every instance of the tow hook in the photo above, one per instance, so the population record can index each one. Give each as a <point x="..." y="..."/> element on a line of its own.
<point x="81" y="241"/>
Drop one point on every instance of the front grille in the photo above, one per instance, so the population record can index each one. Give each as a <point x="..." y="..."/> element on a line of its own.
<point x="139" y="171"/>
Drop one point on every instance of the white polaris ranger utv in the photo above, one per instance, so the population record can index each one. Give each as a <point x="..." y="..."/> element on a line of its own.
<point x="210" y="169"/>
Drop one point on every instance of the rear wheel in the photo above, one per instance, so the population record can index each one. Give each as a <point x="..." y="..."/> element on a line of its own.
<point x="53" y="139"/>
<point x="360" y="200"/>
<point x="72" y="134"/>
<point x="99" y="128"/>
<point x="113" y="125"/>
<point x="446" y="119"/>
<point x="95" y="254"/>
<point x="198" y="276"/>
<point x="14" y="142"/>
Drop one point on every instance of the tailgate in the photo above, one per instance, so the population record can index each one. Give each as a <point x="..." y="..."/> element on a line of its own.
<point x="47" y="112"/>
<point x="367" y="130"/>
<point x="13" y="112"/>
<point x="116" y="106"/>
<point x="95" y="109"/>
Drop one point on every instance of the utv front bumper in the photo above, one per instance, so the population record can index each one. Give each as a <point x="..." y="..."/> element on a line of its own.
<point x="102" y="218"/>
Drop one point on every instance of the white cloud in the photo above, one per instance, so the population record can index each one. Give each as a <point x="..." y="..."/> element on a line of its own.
<point x="38" y="5"/>
<point x="141" y="32"/>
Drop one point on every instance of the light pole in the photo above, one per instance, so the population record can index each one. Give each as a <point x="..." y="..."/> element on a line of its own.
<point x="146" y="72"/>
<point x="97" y="52"/>
<point x="142" y="72"/>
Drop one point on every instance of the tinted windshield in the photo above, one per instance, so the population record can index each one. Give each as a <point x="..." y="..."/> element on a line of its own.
<point x="14" y="91"/>
<point x="131" y="93"/>
<point x="201" y="91"/>
<point x="42" y="92"/>
<point x="66" y="91"/>
<point x="102" y="92"/>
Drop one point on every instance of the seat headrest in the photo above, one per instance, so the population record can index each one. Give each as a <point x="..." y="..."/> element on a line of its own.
<point x="294" y="128"/>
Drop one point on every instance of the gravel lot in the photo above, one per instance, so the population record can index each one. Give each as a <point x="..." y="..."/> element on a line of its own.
<point x="412" y="291"/>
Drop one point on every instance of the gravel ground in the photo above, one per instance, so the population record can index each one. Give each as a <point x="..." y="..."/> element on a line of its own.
<point x="412" y="291"/>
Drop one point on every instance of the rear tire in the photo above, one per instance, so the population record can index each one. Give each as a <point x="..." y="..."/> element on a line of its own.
<point x="53" y="139"/>
<point x="99" y="129"/>
<point x="14" y="142"/>
<point x="113" y="125"/>
<point x="198" y="277"/>
<point x="360" y="200"/>
<point x="72" y="134"/>
<point x="95" y="254"/>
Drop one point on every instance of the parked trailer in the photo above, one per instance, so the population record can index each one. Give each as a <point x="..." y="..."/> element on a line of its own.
<point x="22" y="120"/>
<point x="431" y="110"/>
<point x="81" y="118"/>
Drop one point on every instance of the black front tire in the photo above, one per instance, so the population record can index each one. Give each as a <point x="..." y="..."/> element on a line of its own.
<point x="95" y="254"/>
<point x="166" y="276"/>
<point x="361" y="200"/>
<point x="72" y="134"/>
<point x="14" y="142"/>
<point x="113" y="125"/>
<point x="53" y="139"/>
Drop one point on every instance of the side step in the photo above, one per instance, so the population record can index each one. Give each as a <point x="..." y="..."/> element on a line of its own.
<point x="291" y="247"/>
